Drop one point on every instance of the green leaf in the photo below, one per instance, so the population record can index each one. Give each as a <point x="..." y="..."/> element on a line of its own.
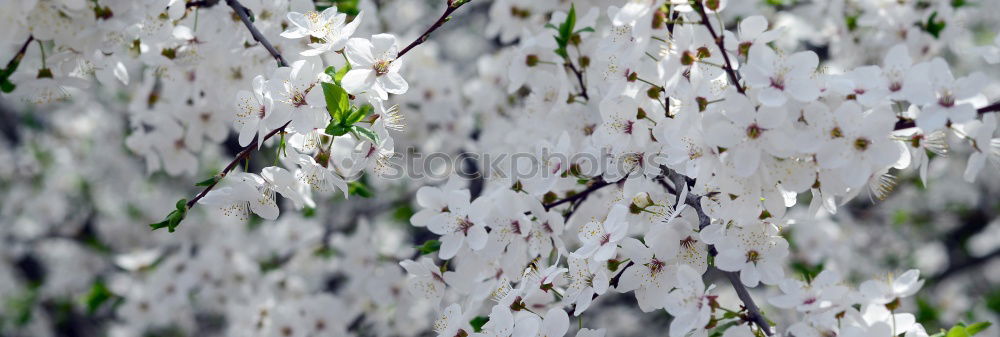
<point x="174" y="218"/>
<point x="403" y="213"/>
<point x="933" y="27"/>
<point x="367" y="133"/>
<point x="585" y="30"/>
<point x="335" y="129"/>
<point x="429" y="246"/>
<point x="331" y="71"/>
<point x="340" y="73"/>
<point x="358" y="114"/>
<point x="337" y="103"/>
<point x="962" y="330"/>
<point x="566" y="29"/>
<point x="98" y="294"/>
<point x="6" y="86"/>
<point x="975" y="328"/>
<point x="359" y="188"/>
<point x="478" y="322"/>
<point x="208" y="182"/>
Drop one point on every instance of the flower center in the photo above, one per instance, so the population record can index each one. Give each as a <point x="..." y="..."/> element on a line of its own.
<point x="753" y="256"/>
<point x="862" y="143"/>
<point x="381" y="67"/>
<point x="754" y="131"/>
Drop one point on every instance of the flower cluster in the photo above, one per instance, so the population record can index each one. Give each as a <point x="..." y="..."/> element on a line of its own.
<point x="706" y="158"/>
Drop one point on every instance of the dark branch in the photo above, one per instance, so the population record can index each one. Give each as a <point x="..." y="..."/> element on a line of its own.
<point x="236" y="162"/>
<point x="600" y="183"/>
<point x="243" y="13"/>
<point x="704" y="220"/>
<point x="966" y="264"/>
<point x="201" y="3"/>
<point x="452" y="6"/>
<point x="906" y="123"/>
<point x="579" y="78"/>
<point x="722" y="48"/>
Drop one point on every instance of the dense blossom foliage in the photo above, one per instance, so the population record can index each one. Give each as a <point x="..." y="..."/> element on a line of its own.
<point x="730" y="165"/>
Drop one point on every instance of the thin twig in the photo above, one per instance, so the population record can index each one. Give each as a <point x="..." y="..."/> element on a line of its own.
<point x="452" y="6"/>
<point x="579" y="78"/>
<point x="582" y="194"/>
<point x="906" y="123"/>
<point x="20" y="52"/>
<point x="245" y="153"/>
<point x="704" y="220"/>
<point x="722" y="48"/>
<point x="242" y="13"/>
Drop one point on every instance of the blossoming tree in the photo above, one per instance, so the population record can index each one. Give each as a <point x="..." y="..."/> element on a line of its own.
<point x="646" y="167"/>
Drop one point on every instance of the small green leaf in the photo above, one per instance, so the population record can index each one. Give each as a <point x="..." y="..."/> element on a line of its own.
<point x="340" y="73"/>
<point x="933" y="27"/>
<point x="478" y="322"/>
<point x="335" y="129"/>
<point x="975" y="328"/>
<point x="429" y="246"/>
<point x="962" y="330"/>
<point x="174" y="218"/>
<point x="331" y="71"/>
<point x="367" y="133"/>
<point x="359" y="188"/>
<point x="585" y="30"/>
<point x="208" y="182"/>
<point x="6" y="86"/>
<point x="358" y="114"/>
<point x="98" y="294"/>
<point x="337" y="103"/>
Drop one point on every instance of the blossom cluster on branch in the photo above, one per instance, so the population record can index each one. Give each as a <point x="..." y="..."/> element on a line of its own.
<point x="687" y="155"/>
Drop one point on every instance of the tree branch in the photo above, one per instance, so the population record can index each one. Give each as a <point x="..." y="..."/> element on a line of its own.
<point x="582" y="194"/>
<point x="906" y="123"/>
<point x="579" y="78"/>
<point x="700" y="7"/>
<point x="242" y="12"/>
<point x="704" y="220"/>
<point x="236" y="162"/>
<point x="452" y="6"/>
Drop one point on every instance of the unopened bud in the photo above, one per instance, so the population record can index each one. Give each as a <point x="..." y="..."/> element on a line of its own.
<point x="531" y="60"/>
